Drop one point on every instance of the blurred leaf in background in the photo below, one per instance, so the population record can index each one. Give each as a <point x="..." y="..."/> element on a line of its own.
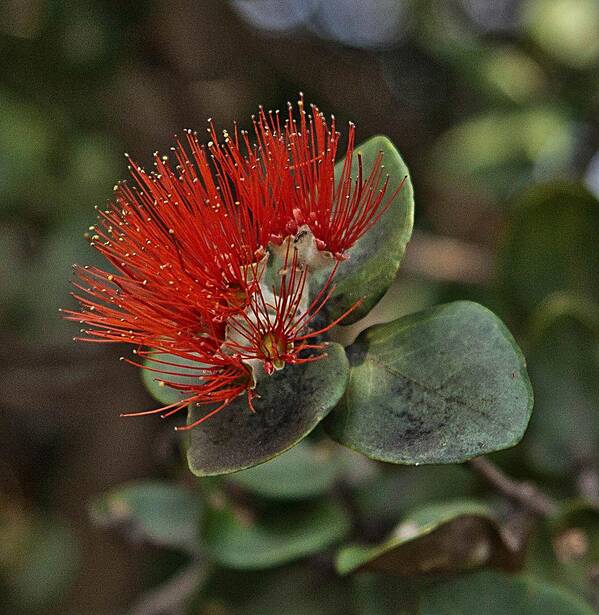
<point x="494" y="106"/>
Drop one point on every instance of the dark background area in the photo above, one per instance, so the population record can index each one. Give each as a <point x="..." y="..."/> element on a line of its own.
<point x="481" y="98"/>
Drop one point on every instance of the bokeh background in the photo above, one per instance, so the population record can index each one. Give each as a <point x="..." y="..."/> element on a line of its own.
<point x="483" y="99"/>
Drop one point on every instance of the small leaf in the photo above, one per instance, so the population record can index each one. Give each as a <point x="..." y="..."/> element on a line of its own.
<point x="494" y="153"/>
<point x="278" y="535"/>
<point x="305" y="471"/>
<point x="550" y="246"/>
<point x="564" y="363"/>
<point x="383" y="594"/>
<point x="41" y="566"/>
<point x="442" y="538"/>
<point x="374" y="259"/>
<point x="494" y="593"/>
<point x="291" y="403"/>
<point x="186" y="373"/>
<point x="295" y="589"/>
<point x="439" y="386"/>
<point x="398" y="490"/>
<point x="157" y="512"/>
<point x="573" y="41"/>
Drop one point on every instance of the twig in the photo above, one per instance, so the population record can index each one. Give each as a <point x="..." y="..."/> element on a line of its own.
<point x="171" y="597"/>
<point x="529" y="496"/>
<point x="587" y="483"/>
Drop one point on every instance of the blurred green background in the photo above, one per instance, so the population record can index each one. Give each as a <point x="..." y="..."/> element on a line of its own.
<point x="490" y="104"/>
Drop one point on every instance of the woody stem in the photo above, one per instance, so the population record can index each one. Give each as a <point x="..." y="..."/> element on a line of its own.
<point x="526" y="494"/>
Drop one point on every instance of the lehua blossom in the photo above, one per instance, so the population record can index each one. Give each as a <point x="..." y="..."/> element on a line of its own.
<point x="213" y="255"/>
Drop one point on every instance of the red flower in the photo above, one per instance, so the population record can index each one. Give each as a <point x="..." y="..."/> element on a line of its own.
<point x="189" y="246"/>
<point x="274" y="328"/>
<point x="293" y="182"/>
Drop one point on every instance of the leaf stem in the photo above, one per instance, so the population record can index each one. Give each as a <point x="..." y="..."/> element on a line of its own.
<point x="172" y="596"/>
<point x="526" y="494"/>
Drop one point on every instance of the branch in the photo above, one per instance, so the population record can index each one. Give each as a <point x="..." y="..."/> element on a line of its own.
<point x="587" y="483"/>
<point x="527" y="495"/>
<point x="171" y="597"/>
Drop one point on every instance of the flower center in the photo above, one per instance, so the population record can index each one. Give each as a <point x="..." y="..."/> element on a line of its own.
<point x="273" y="348"/>
<point x="236" y="297"/>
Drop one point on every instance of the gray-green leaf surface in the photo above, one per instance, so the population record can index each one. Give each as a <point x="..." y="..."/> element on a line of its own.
<point x="276" y="536"/>
<point x="289" y="405"/>
<point x="439" y="386"/>
<point x="374" y="259"/>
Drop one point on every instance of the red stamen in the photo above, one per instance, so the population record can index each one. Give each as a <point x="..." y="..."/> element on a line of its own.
<point x="187" y="244"/>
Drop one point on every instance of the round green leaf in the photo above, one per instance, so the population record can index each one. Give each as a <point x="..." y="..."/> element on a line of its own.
<point x="161" y="513"/>
<point x="564" y="364"/>
<point x="443" y="538"/>
<point x="187" y="374"/>
<point x="374" y="259"/>
<point x="278" y="535"/>
<point x="305" y="471"/>
<point x="439" y="386"/>
<point x="493" y="593"/>
<point x="289" y="405"/>
<point x="551" y="245"/>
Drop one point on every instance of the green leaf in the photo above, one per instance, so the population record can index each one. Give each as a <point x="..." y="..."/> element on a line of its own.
<point x="395" y="492"/>
<point x="157" y="512"/>
<point x="564" y="364"/>
<point x="439" y="386"/>
<point x="566" y="30"/>
<point x="40" y="567"/>
<point x="291" y="403"/>
<point x="187" y="374"/>
<point x="295" y="589"/>
<point x="305" y="471"/>
<point x="383" y="594"/>
<point x="26" y="136"/>
<point x="563" y="305"/>
<point x="565" y="548"/>
<point x="276" y="536"/>
<point x="495" y="153"/>
<point x="49" y="281"/>
<point x="441" y="538"/>
<point x="550" y="246"/>
<point x="493" y="593"/>
<point x="374" y="259"/>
